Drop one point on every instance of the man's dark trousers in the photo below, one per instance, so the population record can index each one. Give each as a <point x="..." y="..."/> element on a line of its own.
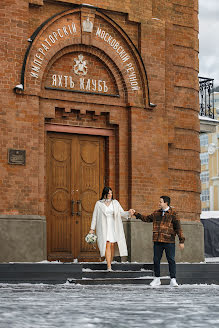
<point x="170" y="255"/>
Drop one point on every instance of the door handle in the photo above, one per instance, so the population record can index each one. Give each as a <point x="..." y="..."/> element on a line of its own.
<point x="79" y="207"/>
<point x="72" y="208"/>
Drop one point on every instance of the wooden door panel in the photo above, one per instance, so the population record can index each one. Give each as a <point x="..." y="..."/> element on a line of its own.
<point x="89" y="164"/>
<point x="75" y="172"/>
<point x="90" y="186"/>
<point x="59" y="223"/>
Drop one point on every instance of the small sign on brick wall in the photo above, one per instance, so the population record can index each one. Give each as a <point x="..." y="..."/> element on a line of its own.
<point x="16" y="156"/>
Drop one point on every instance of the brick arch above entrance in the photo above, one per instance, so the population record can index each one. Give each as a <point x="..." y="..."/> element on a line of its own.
<point x="90" y="27"/>
<point x="100" y="77"/>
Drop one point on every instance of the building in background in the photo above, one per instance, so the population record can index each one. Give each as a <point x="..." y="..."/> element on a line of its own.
<point x="92" y="94"/>
<point x="209" y="155"/>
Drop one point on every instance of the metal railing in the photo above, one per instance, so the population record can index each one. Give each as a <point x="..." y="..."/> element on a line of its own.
<point x="206" y="97"/>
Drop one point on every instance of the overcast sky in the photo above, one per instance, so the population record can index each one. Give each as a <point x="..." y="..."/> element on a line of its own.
<point x="209" y="39"/>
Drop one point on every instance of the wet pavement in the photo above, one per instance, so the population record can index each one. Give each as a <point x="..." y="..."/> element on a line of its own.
<point x="68" y="305"/>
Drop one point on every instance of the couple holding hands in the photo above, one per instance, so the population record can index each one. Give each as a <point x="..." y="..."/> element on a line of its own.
<point x="108" y="224"/>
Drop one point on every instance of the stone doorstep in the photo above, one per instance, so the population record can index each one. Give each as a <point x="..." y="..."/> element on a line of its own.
<point x="100" y="274"/>
<point x="19" y="267"/>
<point x="123" y="273"/>
<point x="39" y="272"/>
<point x="187" y="273"/>
<point x="123" y="266"/>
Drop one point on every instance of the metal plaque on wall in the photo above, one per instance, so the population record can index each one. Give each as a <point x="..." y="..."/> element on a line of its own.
<point x="16" y="156"/>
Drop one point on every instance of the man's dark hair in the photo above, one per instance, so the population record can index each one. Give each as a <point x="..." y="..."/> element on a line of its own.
<point x="166" y="199"/>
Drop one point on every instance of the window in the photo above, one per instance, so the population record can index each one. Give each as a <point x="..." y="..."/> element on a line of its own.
<point x="204" y="158"/>
<point x="204" y="176"/>
<point x="204" y="195"/>
<point x="203" y="139"/>
<point x="205" y="209"/>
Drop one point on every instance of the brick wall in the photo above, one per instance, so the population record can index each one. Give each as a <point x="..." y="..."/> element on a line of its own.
<point x="154" y="151"/>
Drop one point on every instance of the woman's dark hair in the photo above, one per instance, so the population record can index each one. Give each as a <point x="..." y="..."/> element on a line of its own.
<point x="105" y="192"/>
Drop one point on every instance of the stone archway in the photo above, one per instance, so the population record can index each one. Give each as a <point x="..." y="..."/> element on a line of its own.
<point x="86" y="26"/>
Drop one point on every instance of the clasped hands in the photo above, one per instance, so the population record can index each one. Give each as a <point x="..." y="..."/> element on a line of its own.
<point x="132" y="211"/>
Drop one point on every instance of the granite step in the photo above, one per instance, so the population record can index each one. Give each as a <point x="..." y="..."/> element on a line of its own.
<point x="48" y="273"/>
<point x="123" y="266"/>
<point x="96" y="274"/>
<point x="122" y="273"/>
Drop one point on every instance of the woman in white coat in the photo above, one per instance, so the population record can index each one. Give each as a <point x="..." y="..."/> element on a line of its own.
<point x="109" y="227"/>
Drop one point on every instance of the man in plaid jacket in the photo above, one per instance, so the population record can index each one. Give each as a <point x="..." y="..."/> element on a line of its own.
<point x="166" y="225"/>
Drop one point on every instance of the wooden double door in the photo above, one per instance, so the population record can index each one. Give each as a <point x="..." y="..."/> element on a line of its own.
<point x="75" y="178"/>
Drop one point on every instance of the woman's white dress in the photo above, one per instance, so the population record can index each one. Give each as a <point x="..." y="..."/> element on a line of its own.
<point x="100" y="223"/>
<point x="111" y="235"/>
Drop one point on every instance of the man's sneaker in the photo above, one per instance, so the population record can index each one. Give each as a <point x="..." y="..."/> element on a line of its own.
<point x="173" y="283"/>
<point x="156" y="282"/>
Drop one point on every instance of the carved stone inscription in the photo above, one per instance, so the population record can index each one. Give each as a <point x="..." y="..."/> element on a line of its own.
<point x="80" y="71"/>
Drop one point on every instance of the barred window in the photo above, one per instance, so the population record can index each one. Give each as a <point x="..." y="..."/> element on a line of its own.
<point x="204" y="176"/>
<point x="203" y="139"/>
<point x="205" y="209"/>
<point x="204" y="158"/>
<point x="205" y="195"/>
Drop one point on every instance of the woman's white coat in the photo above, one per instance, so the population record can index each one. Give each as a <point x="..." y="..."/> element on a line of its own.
<point x="99" y="222"/>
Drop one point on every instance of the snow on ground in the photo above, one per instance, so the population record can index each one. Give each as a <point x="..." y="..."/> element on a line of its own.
<point x="115" y="306"/>
<point x="209" y="215"/>
<point x="212" y="259"/>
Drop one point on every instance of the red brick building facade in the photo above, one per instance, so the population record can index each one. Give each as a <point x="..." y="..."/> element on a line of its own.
<point x="102" y="93"/>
